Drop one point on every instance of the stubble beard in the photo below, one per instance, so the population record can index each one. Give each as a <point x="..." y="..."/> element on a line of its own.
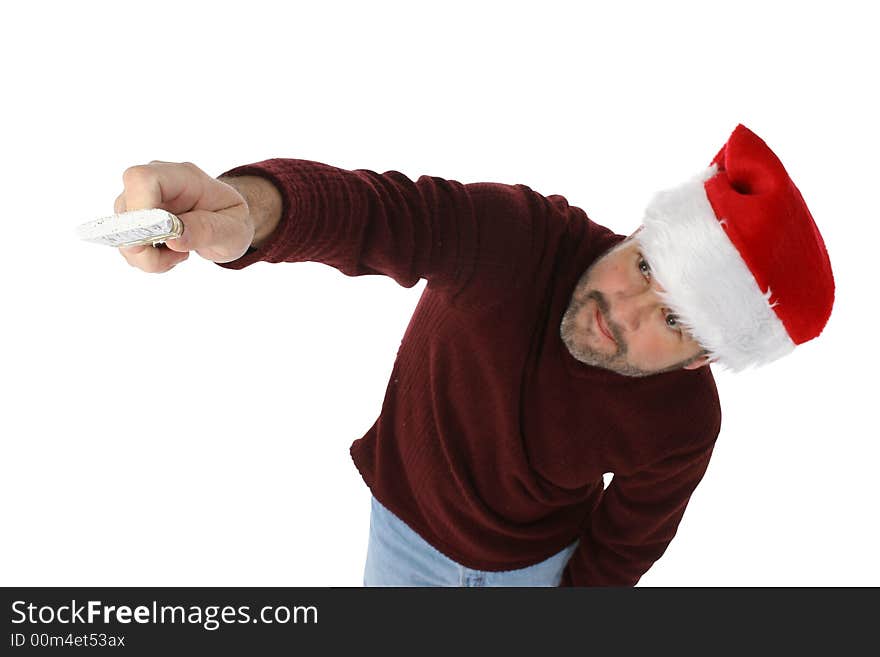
<point x="568" y="330"/>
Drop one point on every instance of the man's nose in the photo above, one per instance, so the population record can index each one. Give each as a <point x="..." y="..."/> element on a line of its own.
<point x="635" y="309"/>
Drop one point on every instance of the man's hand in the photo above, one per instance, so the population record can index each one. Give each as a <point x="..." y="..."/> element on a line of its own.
<point x="216" y="220"/>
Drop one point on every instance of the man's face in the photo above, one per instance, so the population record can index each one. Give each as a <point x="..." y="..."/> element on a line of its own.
<point x="616" y="319"/>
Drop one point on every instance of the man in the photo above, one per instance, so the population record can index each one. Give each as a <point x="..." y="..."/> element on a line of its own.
<point x="544" y="351"/>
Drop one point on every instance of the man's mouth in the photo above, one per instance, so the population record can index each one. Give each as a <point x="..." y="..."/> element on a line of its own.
<point x="601" y="324"/>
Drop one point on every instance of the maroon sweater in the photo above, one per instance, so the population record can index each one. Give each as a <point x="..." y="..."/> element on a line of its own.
<point x="493" y="439"/>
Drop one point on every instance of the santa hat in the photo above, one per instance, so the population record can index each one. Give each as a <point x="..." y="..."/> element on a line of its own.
<point x="739" y="256"/>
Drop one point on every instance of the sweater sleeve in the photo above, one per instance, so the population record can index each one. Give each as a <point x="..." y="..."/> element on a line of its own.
<point x="362" y="222"/>
<point x="635" y="521"/>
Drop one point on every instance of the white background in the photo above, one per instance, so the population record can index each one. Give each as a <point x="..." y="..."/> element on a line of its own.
<point x="192" y="428"/>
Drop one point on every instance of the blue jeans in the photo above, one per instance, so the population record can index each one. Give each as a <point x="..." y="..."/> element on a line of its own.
<point x="398" y="556"/>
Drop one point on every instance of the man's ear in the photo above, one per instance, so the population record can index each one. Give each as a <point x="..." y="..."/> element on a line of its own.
<point x="705" y="360"/>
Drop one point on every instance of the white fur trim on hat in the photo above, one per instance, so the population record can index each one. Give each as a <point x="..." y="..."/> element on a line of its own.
<point x="707" y="283"/>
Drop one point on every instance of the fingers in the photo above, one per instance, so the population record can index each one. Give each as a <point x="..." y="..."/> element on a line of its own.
<point x="172" y="186"/>
<point x="152" y="259"/>
<point x="168" y="185"/>
<point x="142" y="187"/>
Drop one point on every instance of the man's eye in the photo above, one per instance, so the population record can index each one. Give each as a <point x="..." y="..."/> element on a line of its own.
<point x="672" y="322"/>
<point x="644" y="267"/>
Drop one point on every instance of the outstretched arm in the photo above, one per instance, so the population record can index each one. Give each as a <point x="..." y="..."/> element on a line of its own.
<point x="473" y="240"/>
<point x="363" y="222"/>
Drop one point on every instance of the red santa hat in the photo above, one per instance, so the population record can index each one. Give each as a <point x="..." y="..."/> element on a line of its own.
<point x="739" y="256"/>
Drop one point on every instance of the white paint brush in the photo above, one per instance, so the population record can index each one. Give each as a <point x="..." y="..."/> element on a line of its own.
<point x="134" y="228"/>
